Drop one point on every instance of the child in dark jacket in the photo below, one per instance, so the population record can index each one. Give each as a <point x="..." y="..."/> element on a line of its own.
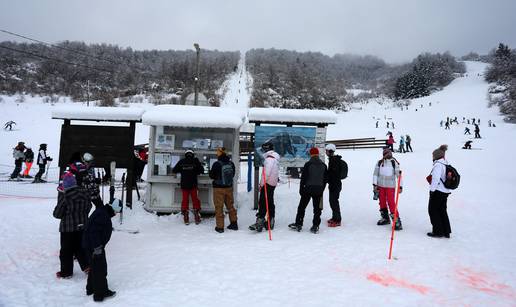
<point x="96" y="236"/>
<point x="73" y="207"/>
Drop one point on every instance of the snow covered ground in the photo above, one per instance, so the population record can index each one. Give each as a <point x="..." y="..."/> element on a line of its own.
<point x="169" y="263"/>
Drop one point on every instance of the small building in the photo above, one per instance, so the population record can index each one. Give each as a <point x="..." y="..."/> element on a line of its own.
<point x="175" y="129"/>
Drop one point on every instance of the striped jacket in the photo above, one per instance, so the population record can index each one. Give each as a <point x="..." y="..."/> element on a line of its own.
<point x="73" y="207"/>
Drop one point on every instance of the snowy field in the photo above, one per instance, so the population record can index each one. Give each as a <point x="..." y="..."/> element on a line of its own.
<point x="170" y="264"/>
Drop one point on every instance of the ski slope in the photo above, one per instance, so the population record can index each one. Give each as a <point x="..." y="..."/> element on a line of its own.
<point x="169" y="263"/>
<point x="237" y="87"/>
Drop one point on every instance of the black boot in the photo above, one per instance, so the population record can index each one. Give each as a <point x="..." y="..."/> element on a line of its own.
<point x="397" y="225"/>
<point x="233" y="226"/>
<point x="385" y="217"/>
<point x="295" y="226"/>
<point x="258" y="226"/>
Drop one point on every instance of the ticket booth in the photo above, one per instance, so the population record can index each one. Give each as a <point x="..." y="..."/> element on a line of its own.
<point x="177" y="128"/>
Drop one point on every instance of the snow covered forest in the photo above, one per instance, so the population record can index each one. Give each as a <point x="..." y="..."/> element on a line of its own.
<point x="112" y="71"/>
<point x="502" y="75"/>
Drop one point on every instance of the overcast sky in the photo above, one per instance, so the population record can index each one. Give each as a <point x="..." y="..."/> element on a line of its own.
<point x="395" y="30"/>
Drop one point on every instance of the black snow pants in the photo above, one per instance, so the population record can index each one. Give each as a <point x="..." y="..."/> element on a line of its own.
<point x="262" y="208"/>
<point x="303" y="202"/>
<point x="97" y="278"/>
<point x="17" y="168"/>
<point x="71" y="245"/>
<point x="40" y="172"/>
<point x="437" y="206"/>
<point x="334" y="202"/>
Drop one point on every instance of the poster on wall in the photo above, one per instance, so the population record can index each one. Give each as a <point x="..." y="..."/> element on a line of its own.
<point x="163" y="140"/>
<point x="291" y="143"/>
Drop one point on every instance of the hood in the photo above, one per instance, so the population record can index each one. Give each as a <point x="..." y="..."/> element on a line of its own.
<point x="271" y="153"/>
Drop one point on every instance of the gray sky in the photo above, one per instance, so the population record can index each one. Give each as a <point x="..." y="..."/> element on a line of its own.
<point x="395" y="30"/>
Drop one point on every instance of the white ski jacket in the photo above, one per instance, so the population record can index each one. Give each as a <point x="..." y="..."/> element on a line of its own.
<point x="439" y="176"/>
<point x="385" y="175"/>
<point x="271" y="165"/>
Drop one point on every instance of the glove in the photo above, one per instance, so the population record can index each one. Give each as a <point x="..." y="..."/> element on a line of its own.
<point x="375" y="188"/>
<point x="401" y="190"/>
<point x="49" y="159"/>
<point x="97" y="251"/>
<point x="429" y="179"/>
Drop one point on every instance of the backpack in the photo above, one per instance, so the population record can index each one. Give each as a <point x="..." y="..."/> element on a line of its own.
<point x="226" y="174"/>
<point x="452" y="178"/>
<point x="343" y="174"/>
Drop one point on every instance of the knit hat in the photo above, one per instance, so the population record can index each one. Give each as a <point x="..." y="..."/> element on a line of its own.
<point x="314" y="151"/>
<point x="221" y="151"/>
<point x="387" y="152"/>
<point x="69" y="181"/>
<point x="189" y="152"/>
<point x="331" y="147"/>
<point x="439" y="152"/>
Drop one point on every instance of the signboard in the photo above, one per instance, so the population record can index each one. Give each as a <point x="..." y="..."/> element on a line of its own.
<point x="291" y="143"/>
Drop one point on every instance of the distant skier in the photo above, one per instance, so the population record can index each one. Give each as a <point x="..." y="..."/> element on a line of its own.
<point x="408" y="141"/>
<point x="467" y="145"/>
<point x="376" y="124"/>
<point x="19" y="156"/>
<point x="337" y="170"/>
<point x="473" y="121"/>
<point x="388" y="124"/>
<point x="437" y="204"/>
<point x="271" y="168"/>
<point x="390" y="142"/>
<point x="467" y="131"/>
<point x="312" y="185"/>
<point x="29" y="159"/>
<point x="9" y="125"/>
<point x="447" y="125"/>
<point x="385" y="175"/>
<point x="42" y="161"/>
<point x="477" y="132"/>
<point x="393" y="125"/>
<point x="442" y="123"/>
<point x="401" y="148"/>
<point x="488" y="123"/>
<point x="468" y="122"/>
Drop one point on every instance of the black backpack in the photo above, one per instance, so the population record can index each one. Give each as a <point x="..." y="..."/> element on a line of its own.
<point x="226" y="174"/>
<point x="452" y="178"/>
<point x="343" y="169"/>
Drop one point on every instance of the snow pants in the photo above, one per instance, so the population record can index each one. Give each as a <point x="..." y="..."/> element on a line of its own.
<point x="262" y="206"/>
<point x="71" y="245"/>
<point x="334" y="203"/>
<point x="97" y="278"/>
<point x="28" y="165"/>
<point x="303" y="202"/>
<point x="409" y="147"/>
<point x="17" y="168"/>
<point x="223" y="196"/>
<point x="195" y="200"/>
<point x="387" y="199"/>
<point x="40" y="172"/>
<point x="437" y="210"/>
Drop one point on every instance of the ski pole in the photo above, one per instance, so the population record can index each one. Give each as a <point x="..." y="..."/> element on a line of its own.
<point x="48" y="167"/>
<point x="102" y="185"/>
<point x="267" y="203"/>
<point x="122" y="206"/>
<point x="395" y="214"/>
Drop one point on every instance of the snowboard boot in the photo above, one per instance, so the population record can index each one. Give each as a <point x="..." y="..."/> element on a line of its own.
<point x="295" y="226"/>
<point x="197" y="217"/>
<point x="314" y="229"/>
<point x="333" y="223"/>
<point x="186" y="218"/>
<point x="61" y="276"/>
<point x="385" y="217"/>
<point x="219" y="230"/>
<point x="233" y="226"/>
<point x="108" y="294"/>
<point x="397" y="225"/>
<point x="258" y="226"/>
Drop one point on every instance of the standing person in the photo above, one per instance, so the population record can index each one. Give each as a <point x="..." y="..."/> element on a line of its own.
<point x="388" y="124"/>
<point x="437" y="203"/>
<point x="222" y="173"/>
<point x="402" y="144"/>
<point x="29" y="159"/>
<point x="140" y="160"/>
<point x="385" y="175"/>
<point x="313" y="182"/>
<point x="442" y="122"/>
<point x="408" y="142"/>
<point x="337" y="170"/>
<point x="96" y="236"/>
<point x="390" y="141"/>
<point x="477" y="132"/>
<point x="73" y="207"/>
<point x="19" y="156"/>
<point x="189" y="167"/>
<point x="271" y="167"/>
<point x="393" y="125"/>
<point x="447" y="125"/>
<point x="489" y="123"/>
<point x="43" y="158"/>
<point x="376" y="124"/>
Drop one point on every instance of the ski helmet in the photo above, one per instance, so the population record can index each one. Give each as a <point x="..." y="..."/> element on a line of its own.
<point x="331" y="147"/>
<point x="267" y="146"/>
<point x="189" y="152"/>
<point x="87" y="157"/>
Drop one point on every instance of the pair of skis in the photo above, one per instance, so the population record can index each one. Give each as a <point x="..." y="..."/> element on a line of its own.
<point x="112" y="198"/>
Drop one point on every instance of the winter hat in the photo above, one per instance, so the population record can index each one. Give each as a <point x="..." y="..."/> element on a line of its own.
<point x="69" y="181"/>
<point x="21" y="143"/>
<point x="189" y="152"/>
<point x="331" y="147"/>
<point x="43" y="146"/>
<point x="267" y="146"/>
<point x="439" y="152"/>
<point x="87" y="157"/>
<point x="314" y="151"/>
<point x="221" y="151"/>
<point x="387" y="153"/>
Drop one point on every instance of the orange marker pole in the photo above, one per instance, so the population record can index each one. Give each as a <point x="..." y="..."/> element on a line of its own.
<point x="395" y="214"/>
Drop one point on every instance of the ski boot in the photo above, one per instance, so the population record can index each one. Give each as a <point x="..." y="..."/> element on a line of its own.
<point x="266" y="224"/>
<point x="397" y="225"/>
<point x="385" y="217"/>
<point x="333" y="223"/>
<point x="258" y="226"/>
<point x="61" y="276"/>
<point x="197" y="217"/>
<point x="233" y="226"/>
<point x="186" y="218"/>
<point x="108" y="294"/>
<point x="314" y="229"/>
<point x="295" y="226"/>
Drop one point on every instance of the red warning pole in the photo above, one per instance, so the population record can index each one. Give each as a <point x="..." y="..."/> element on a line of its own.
<point x="395" y="214"/>
<point x="266" y="203"/>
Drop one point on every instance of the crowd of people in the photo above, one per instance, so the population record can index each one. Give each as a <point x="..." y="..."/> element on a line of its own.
<point x="24" y="154"/>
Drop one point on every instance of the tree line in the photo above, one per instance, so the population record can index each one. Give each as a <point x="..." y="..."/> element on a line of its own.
<point x="502" y="75"/>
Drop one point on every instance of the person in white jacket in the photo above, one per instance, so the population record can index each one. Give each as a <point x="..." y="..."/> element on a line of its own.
<point x="271" y="167"/>
<point x="437" y="204"/>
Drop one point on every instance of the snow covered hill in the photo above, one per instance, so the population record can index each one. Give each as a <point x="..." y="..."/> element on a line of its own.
<point x="169" y="263"/>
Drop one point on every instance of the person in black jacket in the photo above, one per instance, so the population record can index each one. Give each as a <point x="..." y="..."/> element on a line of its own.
<point x="189" y="167"/>
<point x="43" y="158"/>
<point x="96" y="236"/>
<point x="73" y="207"/>
<point x="82" y="167"/>
<point x="222" y="173"/>
<point x="313" y="182"/>
<point x="335" y="165"/>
